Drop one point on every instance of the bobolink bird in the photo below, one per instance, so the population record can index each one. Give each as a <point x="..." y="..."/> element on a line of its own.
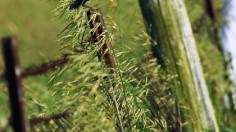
<point x="77" y="4"/>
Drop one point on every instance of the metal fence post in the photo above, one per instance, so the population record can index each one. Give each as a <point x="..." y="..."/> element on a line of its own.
<point x="13" y="78"/>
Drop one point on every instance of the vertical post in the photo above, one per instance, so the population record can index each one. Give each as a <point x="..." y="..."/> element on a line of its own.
<point x="217" y="41"/>
<point x="13" y="78"/>
<point x="210" y="10"/>
<point x="209" y="7"/>
<point x="168" y="24"/>
<point x="100" y="35"/>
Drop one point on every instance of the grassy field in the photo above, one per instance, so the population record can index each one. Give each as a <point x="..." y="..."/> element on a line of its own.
<point x="34" y="24"/>
<point x="36" y="28"/>
<point x="31" y="21"/>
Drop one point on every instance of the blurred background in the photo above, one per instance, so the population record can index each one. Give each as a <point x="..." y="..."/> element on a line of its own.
<point x="36" y="27"/>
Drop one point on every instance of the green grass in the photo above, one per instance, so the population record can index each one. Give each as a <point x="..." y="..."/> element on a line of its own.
<point x="31" y="21"/>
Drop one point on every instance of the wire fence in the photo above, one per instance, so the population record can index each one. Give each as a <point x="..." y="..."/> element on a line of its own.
<point x="13" y="74"/>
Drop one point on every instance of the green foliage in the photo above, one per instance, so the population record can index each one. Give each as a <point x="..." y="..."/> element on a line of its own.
<point x="31" y="22"/>
<point x="213" y="61"/>
<point x="87" y="88"/>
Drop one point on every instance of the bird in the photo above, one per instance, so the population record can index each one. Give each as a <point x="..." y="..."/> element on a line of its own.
<point x="77" y="4"/>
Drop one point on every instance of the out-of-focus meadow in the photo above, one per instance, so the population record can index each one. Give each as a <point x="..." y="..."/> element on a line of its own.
<point x="31" y="21"/>
<point x="36" y="27"/>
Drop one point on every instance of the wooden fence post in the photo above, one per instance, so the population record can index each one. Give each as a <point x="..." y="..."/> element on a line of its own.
<point x="168" y="24"/>
<point x="13" y="78"/>
<point x="99" y="35"/>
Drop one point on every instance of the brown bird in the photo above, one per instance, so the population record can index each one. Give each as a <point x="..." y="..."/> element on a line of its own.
<point x="77" y="4"/>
